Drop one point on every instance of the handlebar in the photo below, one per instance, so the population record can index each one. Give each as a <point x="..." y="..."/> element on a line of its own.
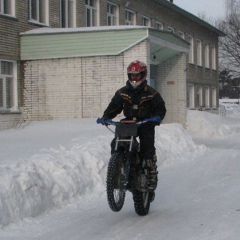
<point x="156" y="119"/>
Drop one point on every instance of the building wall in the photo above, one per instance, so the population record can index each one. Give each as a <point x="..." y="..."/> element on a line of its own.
<point x="76" y="87"/>
<point x="83" y="87"/>
<point x="172" y="86"/>
<point x="10" y="27"/>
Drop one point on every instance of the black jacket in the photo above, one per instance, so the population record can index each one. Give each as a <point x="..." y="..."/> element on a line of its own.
<point x="140" y="103"/>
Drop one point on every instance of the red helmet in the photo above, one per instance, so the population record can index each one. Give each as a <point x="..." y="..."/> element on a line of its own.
<point x="137" y="67"/>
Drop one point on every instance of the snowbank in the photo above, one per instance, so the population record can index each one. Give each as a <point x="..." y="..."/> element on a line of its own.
<point x="48" y="164"/>
<point x="203" y="124"/>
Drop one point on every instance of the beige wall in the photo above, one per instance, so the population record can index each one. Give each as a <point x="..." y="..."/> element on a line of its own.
<point x="172" y="86"/>
<point x="83" y="87"/>
<point x="75" y="87"/>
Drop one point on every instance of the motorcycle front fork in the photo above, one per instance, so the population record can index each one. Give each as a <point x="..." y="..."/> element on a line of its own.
<point x="130" y="157"/>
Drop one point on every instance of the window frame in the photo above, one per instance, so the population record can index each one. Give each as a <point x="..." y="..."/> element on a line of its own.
<point x="199" y="96"/>
<point x="191" y="51"/>
<point x="199" y="52"/>
<point x="13" y="91"/>
<point x="94" y="13"/>
<point x="206" y="55"/>
<point x="113" y="17"/>
<point x="191" y="96"/>
<point x="181" y="34"/>
<point x="11" y="12"/>
<point x="148" y="21"/>
<point x="157" y="24"/>
<point x="170" y="29"/>
<point x="129" y="21"/>
<point x="70" y="14"/>
<point x="207" y="96"/>
<point x="213" y="57"/>
<point x="214" y="97"/>
<point x="45" y="10"/>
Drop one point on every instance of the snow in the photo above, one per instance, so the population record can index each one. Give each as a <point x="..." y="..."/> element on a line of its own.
<point x="48" y="30"/>
<point x="53" y="182"/>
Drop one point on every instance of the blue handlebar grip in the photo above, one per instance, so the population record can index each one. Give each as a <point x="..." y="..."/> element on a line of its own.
<point x="99" y="120"/>
<point x="156" y="119"/>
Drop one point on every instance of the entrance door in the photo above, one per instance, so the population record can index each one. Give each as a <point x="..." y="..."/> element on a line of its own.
<point x="153" y="75"/>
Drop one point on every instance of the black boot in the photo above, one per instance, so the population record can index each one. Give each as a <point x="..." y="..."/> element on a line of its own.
<point x="151" y="165"/>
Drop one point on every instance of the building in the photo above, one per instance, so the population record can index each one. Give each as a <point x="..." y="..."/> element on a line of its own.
<point x="180" y="49"/>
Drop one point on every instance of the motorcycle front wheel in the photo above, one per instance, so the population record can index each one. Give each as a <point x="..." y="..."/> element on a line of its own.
<point x="115" y="182"/>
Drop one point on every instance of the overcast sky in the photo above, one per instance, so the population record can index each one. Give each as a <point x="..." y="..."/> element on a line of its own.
<point x="212" y="8"/>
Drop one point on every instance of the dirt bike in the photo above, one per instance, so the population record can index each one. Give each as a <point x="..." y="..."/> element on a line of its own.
<point x="126" y="169"/>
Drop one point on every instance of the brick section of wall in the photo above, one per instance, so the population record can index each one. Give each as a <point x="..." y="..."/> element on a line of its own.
<point x="10" y="28"/>
<point x="76" y="87"/>
<point x="172" y="86"/>
<point x="8" y="121"/>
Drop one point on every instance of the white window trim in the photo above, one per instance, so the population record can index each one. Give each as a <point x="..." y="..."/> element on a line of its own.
<point x="97" y="13"/>
<point x="181" y="34"/>
<point x="14" y="108"/>
<point x="213" y="57"/>
<point x="127" y="21"/>
<point x="46" y="10"/>
<point x="191" y="52"/>
<point x="214" y="97"/>
<point x="199" y="93"/>
<point x="191" y="96"/>
<point x="12" y="14"/>
<point x="199" y="52"/>
<point x="159" y="24"/>
<point x="206" y="55"/>
<point x="148" y="21"/>
<point x="207" y="97"/>
<point x="171" y="29"/>
<point x="67" y="14"/>
<point x="116" y="17"/>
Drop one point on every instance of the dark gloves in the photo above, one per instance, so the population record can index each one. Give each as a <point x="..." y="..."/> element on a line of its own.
<point x="104" y="118"/>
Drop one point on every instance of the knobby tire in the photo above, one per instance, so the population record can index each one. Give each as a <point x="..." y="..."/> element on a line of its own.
<point x="115" y="191"/>
<point x="142" y="201"/>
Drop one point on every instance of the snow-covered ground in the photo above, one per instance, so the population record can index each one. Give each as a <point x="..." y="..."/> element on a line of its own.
<point x="53" y="182"/>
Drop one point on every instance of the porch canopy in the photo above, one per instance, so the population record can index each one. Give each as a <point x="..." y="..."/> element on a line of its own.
<point x="46" y="43"/>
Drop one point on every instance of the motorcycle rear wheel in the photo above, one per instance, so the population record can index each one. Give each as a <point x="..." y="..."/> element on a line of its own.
<point x="142" y="199"/>
<point x="115" y="180"/>
<point x="142" y="202"/>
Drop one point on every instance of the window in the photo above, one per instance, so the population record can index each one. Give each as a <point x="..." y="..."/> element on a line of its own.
<point x="38" y="11"/>
<point x="214" y="97"/>
<point x="159" y="25"/>
<point x="8" y="85"/>
<point x="130" y="17"/>
<point x="7" y="7"/>
<point x="68" y="13"/>
<point x="198" y="96"/>
<point x="207" y="97"/>
<point x="199" y="52"/>
<point x="91" y="13"/>
<point x="146" y="21"/>
<point x="112" y="14"/>
<point x="191" y="102"/>
<point x="191" y="50"/>
<point x="171" y="29"/>
<point x="206" y="55"/>
<point x="213" y="57"/>
<point x="181" y="34"/>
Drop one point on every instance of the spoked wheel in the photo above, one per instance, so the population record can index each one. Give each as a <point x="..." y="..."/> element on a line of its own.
<point x="115" y="181"/>
<point x="142" y="202"/>
<point x="142" y="199"/>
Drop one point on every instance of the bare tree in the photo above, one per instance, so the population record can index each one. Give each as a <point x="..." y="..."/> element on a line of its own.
<point x="230" y="45"/>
